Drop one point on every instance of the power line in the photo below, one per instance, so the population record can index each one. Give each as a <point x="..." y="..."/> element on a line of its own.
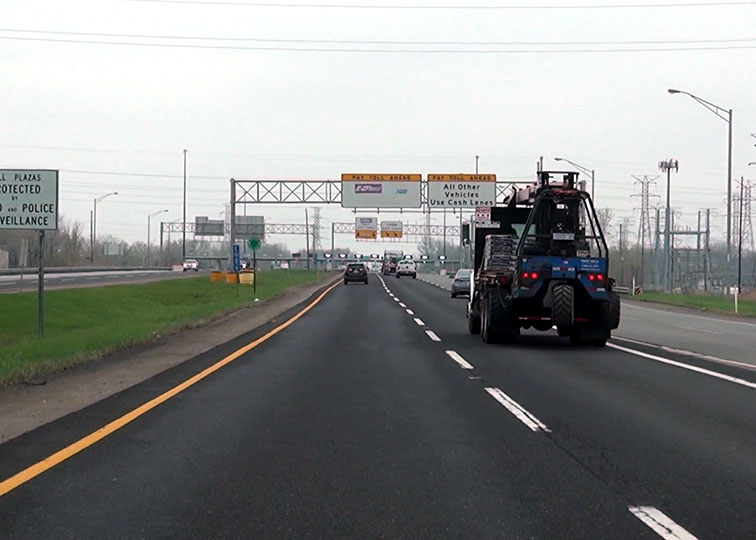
<point x="442" y="7"/>
<point x="375" y="42"/>
<point x="372" y="50"/>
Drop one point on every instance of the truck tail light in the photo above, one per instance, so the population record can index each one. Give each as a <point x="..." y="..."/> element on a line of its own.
<point x="595" y="277"/>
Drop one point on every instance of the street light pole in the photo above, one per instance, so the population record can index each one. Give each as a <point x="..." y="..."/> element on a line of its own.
<point x="476" y="164"/>
<point x="740" y="235"/>
<point x="726" y="115"/>
<point x="149" y="218"/>
<point x="667" y="166"/>
<point x="94" y="224"/>
<point x="183" y="222"/>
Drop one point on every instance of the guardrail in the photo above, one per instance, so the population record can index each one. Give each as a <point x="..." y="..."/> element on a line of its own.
<point x="79" y="269"/>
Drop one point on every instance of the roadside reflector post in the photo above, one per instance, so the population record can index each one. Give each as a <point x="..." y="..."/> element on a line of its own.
<point x="736" y="300"/>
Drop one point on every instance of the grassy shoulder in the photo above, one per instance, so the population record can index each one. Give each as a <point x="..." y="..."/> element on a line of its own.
<point x="81" y="324"/>
<point x="713" y="304"/>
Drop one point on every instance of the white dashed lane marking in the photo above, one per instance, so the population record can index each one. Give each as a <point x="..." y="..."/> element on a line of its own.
<point x="518" y="410"/>
<point x="658" y="522"/>
<point x="431" y="334"/>
<point x="464" y="364"/>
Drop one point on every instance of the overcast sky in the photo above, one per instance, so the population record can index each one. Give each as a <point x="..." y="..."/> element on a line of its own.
<point x="246" y="112"/>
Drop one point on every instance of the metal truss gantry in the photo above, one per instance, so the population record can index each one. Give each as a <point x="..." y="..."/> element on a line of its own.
<point x="326" y="191"/>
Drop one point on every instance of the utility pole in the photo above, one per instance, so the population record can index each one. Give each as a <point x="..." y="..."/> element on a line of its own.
<point x="707" y="254"/>
<point x="307" y="237"/>
<point x="316" y="240"/>
<point x="667" y="166"/>
<point x="621" y="254"/>
<point x="476" y="163"/>
<point x="183" y="221"/>
<point x="644" y="227"/>
<point x="740" y="235"/>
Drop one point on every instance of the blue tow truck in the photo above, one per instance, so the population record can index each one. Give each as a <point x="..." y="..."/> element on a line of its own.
<point x="542" y="262"/>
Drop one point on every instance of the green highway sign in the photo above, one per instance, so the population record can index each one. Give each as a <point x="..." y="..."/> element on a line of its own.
<point x="254" y="244"/>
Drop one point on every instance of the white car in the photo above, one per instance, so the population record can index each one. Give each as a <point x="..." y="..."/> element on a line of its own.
<point x="406" y="268"/>
<point x="191" y="264"/>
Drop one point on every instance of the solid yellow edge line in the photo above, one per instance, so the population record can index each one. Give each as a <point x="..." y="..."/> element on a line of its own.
<point x="60" y="456"/>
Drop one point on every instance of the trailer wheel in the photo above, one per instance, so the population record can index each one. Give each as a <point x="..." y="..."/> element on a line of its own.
<point x="563" y="305"/>
<point x="614" y="310"/>
<point x="497" y="325"/>
<point x="473" y="324"/>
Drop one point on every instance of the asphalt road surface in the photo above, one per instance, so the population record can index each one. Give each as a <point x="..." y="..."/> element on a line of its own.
<point x="375" y="415"/>
<point x="15" y="283"/>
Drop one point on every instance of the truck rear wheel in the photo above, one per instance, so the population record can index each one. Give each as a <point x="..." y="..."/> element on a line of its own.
<point x="614" y="310"/>
<point x="563" y="305"/>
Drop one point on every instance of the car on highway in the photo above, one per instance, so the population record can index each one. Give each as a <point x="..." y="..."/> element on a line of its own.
<point x="190" y="264"/>
<point x="461" y="283"/>
<point x="355" y="272"/>
<point x="406" y="268"/>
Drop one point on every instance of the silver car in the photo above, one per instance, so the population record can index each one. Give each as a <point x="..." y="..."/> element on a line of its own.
<point x="461" y="283"/>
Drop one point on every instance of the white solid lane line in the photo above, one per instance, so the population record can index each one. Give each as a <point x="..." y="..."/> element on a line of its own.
<point x="697" y="369"/>
<point x="409" y="312"/>
<point x="684" y="352"/>
<point x="517" y="410"/>
<point x="431" y="334"/>
<point x="419" y="322"/>
<point x="458" y="359"/>
<point x="660" y="523"/>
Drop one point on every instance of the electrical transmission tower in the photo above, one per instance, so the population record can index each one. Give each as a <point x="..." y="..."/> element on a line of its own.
<point x="747" y="223"/>
<point x="644" y="226"/>
<point x="316" y="239"/>
<point x="742" y="204"/>
<point x="645" y="233"/>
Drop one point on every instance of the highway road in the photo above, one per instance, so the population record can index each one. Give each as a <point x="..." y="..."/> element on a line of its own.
<point x="15" y="283"/>
<point x="375" y="415"/>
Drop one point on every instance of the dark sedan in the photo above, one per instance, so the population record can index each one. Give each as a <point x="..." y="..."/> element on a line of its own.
<point x="461" y="283"/>
<point x="355" y="272"/>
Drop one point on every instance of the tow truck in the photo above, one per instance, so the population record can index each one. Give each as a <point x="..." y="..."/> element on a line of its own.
<point x="540" y="262"/>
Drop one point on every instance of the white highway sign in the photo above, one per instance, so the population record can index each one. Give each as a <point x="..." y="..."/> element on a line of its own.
<point x="461" y="190"/>
<point x="29" y="199"/>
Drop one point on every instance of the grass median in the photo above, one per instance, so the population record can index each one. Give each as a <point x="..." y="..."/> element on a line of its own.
<point x="712" y="304"/>
<point x="85" y="323"/>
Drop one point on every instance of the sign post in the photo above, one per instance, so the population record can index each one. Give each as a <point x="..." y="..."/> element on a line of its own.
<point x="29" y="201"/>
<point x="254" y="244"/>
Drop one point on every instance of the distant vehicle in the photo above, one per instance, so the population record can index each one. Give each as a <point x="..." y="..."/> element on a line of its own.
<point x="461" y="283"/>
<point x="406" y="268"/>
<point x="391" y="259"/>
<point x="284" y="265"/>
<point x="244" y="264"/>
<point x="190" y="264"/>
<point x="355" y="272"/>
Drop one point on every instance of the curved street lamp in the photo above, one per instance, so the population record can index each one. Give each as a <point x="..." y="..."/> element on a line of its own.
<point x="93" y="236"/>
<point x="726" y="115"/>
